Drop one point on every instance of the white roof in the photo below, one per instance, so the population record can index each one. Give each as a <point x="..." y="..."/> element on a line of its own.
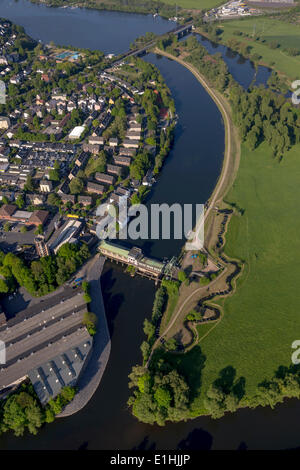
<point x="22" y="214"/>
<point x="76" y="132"/>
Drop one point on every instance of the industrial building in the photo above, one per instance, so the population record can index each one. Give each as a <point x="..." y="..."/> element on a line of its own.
<point x="144" y="265"/>
<point x="66" y="234"/>
<point x="48" y="337"/>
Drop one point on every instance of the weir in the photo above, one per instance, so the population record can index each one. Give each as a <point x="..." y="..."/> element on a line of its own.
<point x="141" y="264"/>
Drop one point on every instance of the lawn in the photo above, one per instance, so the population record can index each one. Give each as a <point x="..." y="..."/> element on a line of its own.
<point x="261" y="320"/>
<point x="287" y="35"/>
<point x="204" y="328"/>
<point x="195" y="4"/>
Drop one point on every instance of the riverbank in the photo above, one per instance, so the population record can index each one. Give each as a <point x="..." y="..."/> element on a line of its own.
<point x="163" y="9"/>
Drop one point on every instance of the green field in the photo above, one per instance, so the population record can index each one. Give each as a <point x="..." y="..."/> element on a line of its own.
<point x="195" y="4"/>
<point x="261" y="320"/>
<point x="286" y="34"/>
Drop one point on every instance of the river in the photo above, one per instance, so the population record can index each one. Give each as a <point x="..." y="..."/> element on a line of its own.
<point x="189" y="175"/>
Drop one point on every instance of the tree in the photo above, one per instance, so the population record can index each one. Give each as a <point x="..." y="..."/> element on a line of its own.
<point x="7" y="227"/>
<point x="149" y="328"/>
<point x="4" y="289"/>
<point x="140" y="165"/>
<point x="163" y="397"/>
<point x="86" y="286"/>
<point x="67" y="394"/>
<point x="39" y="230"/>
<point x="145" y="348"/>
<point x="54" y="175"/>
<point x="21" y="411"/>
<point x="182" y="276"/>
<point x="76" y="185"/>
<point x="90" y="321"/>
<point x="87" y="298"/>
<point x="23" y="229"/>
<point x="20" y="201"/>
<point x="171" y="344"/>
<point x="135" y="199"/>
<point x="29" y="185"/>
<point x="53" y="199"/>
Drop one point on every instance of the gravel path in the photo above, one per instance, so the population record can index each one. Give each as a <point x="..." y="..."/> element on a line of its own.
<point x="92" y="375"/>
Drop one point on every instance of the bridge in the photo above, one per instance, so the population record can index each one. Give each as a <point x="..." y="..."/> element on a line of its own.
<point x="180" y="31"/>
<point x="184" y="30"/>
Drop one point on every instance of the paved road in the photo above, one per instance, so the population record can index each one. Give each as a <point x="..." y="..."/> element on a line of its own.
<point x="92" y="375"/>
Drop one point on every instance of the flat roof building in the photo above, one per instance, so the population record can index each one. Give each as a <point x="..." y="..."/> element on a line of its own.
<point x="76" y="132"/>
<point x="41" y="333"/>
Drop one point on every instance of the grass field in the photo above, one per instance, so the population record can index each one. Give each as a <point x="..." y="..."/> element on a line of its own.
<point x="204" y="329"/>
<point x="261" y="320"/>
<point x="286" y="34"/>
<point x="195" y="4"/>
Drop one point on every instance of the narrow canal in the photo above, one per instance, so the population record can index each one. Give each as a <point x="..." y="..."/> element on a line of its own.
<point x="189" y="175"/>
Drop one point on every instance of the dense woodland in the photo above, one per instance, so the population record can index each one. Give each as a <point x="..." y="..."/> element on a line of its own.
<point x="44" y="275"/>
<point x="22" y="411"/>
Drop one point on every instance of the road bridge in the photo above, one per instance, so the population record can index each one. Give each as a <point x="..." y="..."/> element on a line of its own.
<point x="180" y="31"/>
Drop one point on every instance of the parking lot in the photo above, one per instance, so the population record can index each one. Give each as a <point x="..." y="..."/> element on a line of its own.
<point x="9" y="241"/>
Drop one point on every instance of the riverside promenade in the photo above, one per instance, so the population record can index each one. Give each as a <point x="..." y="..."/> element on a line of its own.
<point x="92" y="375"/>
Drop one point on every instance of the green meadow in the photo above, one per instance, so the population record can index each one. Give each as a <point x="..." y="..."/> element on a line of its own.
<point x="261" y="319"/>
<point x="195" y="4"/>
<point x="287" y="35"/>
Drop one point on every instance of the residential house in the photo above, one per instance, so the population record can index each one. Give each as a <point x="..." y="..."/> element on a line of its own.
<point x="67" y="198"/>
<point x="46" y="186"/>
<point x="104" y="178"/>
<point x="4" y="122"/>
<point x="96" y="140"/>
<point x="113" y="142"/>
<point x="94" y="149"/>
<point x="85" y="200"/>
<point x="122" y="160"/>
<point x="82" y="159"/>
<point x="127" y="143"/>
<point x="7" y="210"/>
<point x="38" y="218"/>
<point x="95" y="188"/>
<point x="133" y="135"/>
<point x="114" y="169"/>
<point x="35" y="199"/>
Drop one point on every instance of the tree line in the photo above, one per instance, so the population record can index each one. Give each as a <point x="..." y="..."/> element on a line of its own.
<point x="44" y="275"/>
<point x="22" y="410"/>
